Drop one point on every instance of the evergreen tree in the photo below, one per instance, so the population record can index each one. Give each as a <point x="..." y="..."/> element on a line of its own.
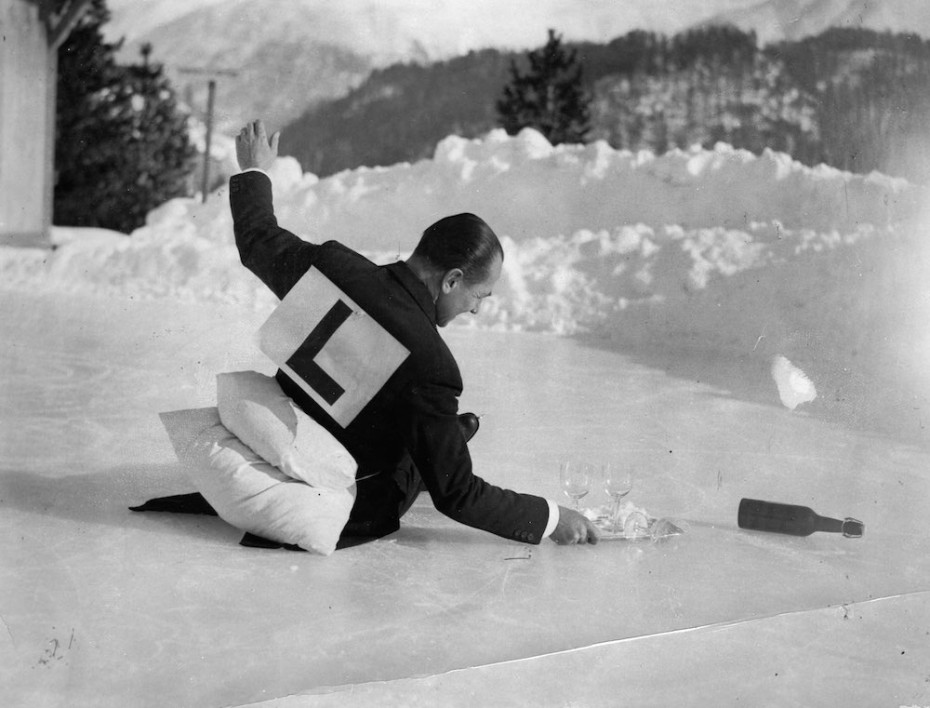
<point x="121" y="144"/>
<point x="550" y="97"/>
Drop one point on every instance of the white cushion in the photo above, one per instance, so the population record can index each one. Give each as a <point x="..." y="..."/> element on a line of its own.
<point x="251" y="494"/>
<point x="260" y="414"/>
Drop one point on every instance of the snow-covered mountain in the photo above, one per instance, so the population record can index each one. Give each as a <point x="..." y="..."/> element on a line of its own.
<point x="775" y="20"/>
<point x="405" y="30"/>
<point x="288" y="55"/>
<point x="409" y="30"/>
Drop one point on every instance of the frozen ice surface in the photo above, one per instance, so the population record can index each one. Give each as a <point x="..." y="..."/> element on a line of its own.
<point x="103" y="607"/>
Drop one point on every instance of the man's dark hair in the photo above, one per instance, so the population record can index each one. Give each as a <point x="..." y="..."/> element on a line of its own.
<point x="460" y="241"/>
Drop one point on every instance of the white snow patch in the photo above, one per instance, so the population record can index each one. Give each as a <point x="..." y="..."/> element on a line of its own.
<point x="794" y="388"/>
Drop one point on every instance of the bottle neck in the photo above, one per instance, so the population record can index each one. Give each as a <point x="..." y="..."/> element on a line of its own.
<point x="851" y="528"/>
<point x="825" y="523"/>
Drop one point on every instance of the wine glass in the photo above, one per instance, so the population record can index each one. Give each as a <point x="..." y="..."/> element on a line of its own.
<point x="576" y="480"/>
<point x="618" y="482"/>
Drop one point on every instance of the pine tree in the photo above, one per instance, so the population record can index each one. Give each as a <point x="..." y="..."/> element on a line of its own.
<point x="550" y="97"/>
<point x="121" y="144"/>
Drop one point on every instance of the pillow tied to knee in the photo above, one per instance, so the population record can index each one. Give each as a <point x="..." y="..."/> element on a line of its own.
<point x="305" y="499"/>
<point x="254" y="408"/>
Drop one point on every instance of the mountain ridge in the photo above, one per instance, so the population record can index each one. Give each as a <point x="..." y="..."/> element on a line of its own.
<point x="792" y="20"/>
<point x="293" y="55"/>
<point x="853" y="99"/>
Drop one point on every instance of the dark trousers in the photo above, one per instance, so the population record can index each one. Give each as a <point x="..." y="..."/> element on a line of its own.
<point x="381" y="501"/>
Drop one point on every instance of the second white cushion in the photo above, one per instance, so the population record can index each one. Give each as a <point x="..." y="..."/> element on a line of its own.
<point x="255" y="409"/>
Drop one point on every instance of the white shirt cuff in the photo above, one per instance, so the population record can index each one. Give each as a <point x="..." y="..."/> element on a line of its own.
<point x="255" y="169"/>
<point x="553" y="518"/>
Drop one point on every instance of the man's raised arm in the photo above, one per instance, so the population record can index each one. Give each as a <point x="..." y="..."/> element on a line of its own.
<point x="274" y="254"/>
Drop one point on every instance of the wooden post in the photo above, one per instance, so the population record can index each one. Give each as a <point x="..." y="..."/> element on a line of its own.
<point x="211" y="98"/>
<point x="211" y="95"/>
<point x="51" y="120"/>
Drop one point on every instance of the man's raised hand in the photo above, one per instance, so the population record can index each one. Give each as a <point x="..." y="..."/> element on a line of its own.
<point x="253" y="149"/>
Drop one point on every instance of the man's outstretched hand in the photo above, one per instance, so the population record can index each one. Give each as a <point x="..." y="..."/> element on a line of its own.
<point x="253" y="149"/>
<point x="573" y="528"/>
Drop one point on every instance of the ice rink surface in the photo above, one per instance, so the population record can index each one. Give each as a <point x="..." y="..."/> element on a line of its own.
<point x="103" y="607"/>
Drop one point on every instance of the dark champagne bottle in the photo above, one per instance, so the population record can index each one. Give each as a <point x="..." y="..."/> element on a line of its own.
<point x="795" y="520"/>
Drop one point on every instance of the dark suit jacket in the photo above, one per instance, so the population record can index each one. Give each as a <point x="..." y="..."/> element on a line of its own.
<point x="414" y="414"/>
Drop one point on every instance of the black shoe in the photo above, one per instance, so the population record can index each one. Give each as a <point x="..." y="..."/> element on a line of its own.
<point x="469" y="423"/>
<point x="191" y="503"/>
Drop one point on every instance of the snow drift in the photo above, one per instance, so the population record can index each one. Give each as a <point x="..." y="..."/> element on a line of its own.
<point x="719" y="249"/>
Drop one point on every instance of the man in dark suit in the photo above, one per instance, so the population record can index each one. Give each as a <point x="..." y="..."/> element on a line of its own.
<point x="373" y="369"/>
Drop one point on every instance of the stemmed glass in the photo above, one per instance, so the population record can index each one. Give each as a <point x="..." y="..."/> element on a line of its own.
<point x="576" y="480"/>
<point x="618" y="482"/>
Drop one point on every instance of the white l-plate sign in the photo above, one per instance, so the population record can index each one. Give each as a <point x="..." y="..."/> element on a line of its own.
<point x="330" y="347"/>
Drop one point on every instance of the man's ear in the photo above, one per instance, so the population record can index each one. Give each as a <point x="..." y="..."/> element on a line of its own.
<point x="451" y="280"/>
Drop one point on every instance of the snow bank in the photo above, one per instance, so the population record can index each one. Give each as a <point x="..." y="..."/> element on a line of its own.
<point x="719" y="249"/>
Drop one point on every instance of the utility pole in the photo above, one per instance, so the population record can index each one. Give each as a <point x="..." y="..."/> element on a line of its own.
<point x="211" y="97"/>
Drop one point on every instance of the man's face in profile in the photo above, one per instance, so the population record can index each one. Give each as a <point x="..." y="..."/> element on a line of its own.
<point x="457" y="296"/>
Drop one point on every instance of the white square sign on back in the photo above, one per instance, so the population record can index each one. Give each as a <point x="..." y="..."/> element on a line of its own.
<point x="330" y="347"/>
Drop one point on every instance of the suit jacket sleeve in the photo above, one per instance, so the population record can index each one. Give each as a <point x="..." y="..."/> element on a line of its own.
<point x="441" y="455"/>
<point x="275" y="255"/>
